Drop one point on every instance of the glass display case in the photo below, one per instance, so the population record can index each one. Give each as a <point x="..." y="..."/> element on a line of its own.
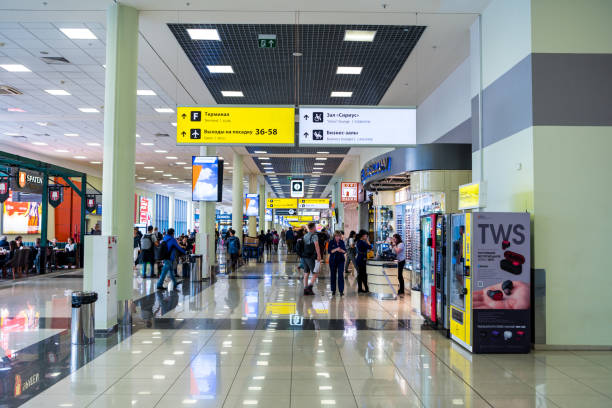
<point x="383" y="227"/>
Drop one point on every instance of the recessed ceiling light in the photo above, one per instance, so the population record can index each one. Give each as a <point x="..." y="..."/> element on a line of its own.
<point x="92" y="144"/>
<point x="297" y="54"/>
<point x="137" y="135"/>
<point x="203" y="34"/>
<point x="232" y="94"/>
<point x="80" y="157"/>
<point x="138" y="162"/>
<point x="180" y="163"/>
<point x="145" y="92"/>
<point x="89" y="110"/>
<point x="15" y="68"/>
<point x="167" y="175"/>
<point x="173" y="124"/>
<point x="359" y="35"/>
<point x="321" y="158"/>
<point x="171" y="157"/>
<point x="322" y="152"/>
<point x="95" y="162"/>
<point x="147" y="144"/>
<point x="187" y="167"/>
<point x="39" y="143"/>
<point x="263" y="158"/>
<point x="220" y="69"/>
<point x="141" y="178"/>
<point x="157" y="183"/>
<point x="260" y="152"/>
<point x="173" y="178"/>
<point x="149" y="167"/>
<point x="161" y="151"/>
<point x="349" y="70"/>
<point x="61" y="150"/>
<point x="158" y="171"/>
<point x="79" y="33"/>
<point x="16" y="110"/>
<point x="164" y="110"/>
<point x="341" y="94"/>
<point x="42" y="123"/>
<point x="57" y="92"/>
<point x="12" y="134"/>
<point x="71" y="134"/>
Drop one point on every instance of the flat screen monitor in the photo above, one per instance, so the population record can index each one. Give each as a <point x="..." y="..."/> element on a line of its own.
<point x="207" y="178"/>
<point x="252" y="205"/>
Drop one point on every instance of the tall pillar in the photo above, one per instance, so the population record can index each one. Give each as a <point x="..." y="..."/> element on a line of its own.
<point x="207" y="216"/>
<point x="252" y="190"/>
<point x="262" y="205"/>
<point x="171" y="210"/>
<point x="543" y="146"/>
<point x="189" y="215"/>
<point x="120" y="137"/>
<point x="237" y="195"/>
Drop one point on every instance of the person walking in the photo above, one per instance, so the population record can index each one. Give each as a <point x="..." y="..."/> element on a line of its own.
<point x="350" y="252"/>
<point x="283" y="237"/>
<point x="337" y="251"/>
<point x="233" y="249"/>
<point x="148" y="243"/>
<point x="168" y="248"/>
<point x="312" y="258"/>
<point x="363" y="246"/>
<point x="400" y="254"/>
<point x="290" y="238"/>
<point x="136" y="246"/>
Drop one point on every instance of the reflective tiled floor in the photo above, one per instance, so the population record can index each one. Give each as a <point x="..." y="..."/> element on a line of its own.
<point x="252" y="339"/>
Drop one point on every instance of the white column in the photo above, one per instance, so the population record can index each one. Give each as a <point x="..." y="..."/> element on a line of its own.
<point x="237" y="195"/>
<point x="207" y="217"/>
<point x="120" y="137"/>
<point x="189" y="215"/>
<point x="171" y="216"/>
<point x="262" y="205"/>
<point x="252" y="190"/>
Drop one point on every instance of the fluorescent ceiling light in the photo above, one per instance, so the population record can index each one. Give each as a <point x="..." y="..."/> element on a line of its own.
<point x="232" y="94"/>
<point x="142" y="178"/>
<point x="173" y="124"/>
<point x="147" y="144"/>
<point x="158" y="171"/>
<point x="80" y="157"/>
<point x="341" y="94"/>
<point x="15" y="68"/>
<point x="145" y="92"/>
<point x="89" y="110"/>
<point x="95" y="162"/>
<point x="349" y="70"/>
<point x="71" y="134"/>
<point x="16" y="110"/>
<point x="171" y="157"/>
<point x="39" y="143"/>
<point x="180" y="163"/>
<point x="11" y="134"/>
<point x="359" y="35"/>
<point x="187" y="167"/>
<point x="57" y="92"/>
<point x="173" y="178"/>
<point x="203" y="34"/>
<point x="61" y="150"/>
<point x="149" y="167"/>
<point x="92" y="144"/>
<point x="260" y="152"/>
<point x="263" y="158"/>
<point x="322" y="152"/>
<point x="167" y="175"/>
<point x="79" y="33"/>
<point x="137" y="135"/>
<point x="42" y="123"/>
<point x="164" y="110"/>
<point x="321" y="158"/>
<point x="138" y="162"/>
<point x="220" y="69"/>
<point x="161" y="151"/>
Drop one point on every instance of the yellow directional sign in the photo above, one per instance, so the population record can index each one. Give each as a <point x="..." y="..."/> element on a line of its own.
<point x="235" y="125"/>
<point x="301" y="218"/>
<point x="313" y="203"/>
<point x="281" y="203"/>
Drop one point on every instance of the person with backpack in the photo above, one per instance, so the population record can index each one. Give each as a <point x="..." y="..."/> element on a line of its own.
<point x="148" y="243"/>
<point x="233" y="249"/>
<point x="290" y="238"/>
<point x="167" y="249"/>
<point x="275" y="240"/>
<point x="311" y="254"/>
<point x="269" y="239"/>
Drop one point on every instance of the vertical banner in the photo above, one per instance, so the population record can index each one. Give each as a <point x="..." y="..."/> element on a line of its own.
<point x="501" y="282"/>
<point x="55" y="195"/>
<point x="4" y="188"/>
<point x="90" y="203"/>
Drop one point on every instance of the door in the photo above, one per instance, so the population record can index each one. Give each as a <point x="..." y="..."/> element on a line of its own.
<point x="428" y="266"/>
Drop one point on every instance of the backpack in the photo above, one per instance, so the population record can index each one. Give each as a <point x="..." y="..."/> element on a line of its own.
<point x="299" y="247"/>
<point x="164" y="253"/>
<point x="146" y="242"/>
<point x="309" y="249"/>
<point x="233" y="245"/>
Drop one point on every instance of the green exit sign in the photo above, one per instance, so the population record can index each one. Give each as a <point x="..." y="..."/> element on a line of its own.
<point x="267" y="40"/>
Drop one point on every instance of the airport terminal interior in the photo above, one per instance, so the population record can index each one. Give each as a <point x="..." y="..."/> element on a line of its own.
<point x="305" y="203"/>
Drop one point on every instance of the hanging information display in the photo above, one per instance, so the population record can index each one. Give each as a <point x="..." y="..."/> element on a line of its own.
<point x="313" y="203"/>
<point x="252" y="205"/>
<point x="321" y="126"/>
<point x="348" y="192"/>
<point x="281" y="203"/>
<point x="21" y="217"/>
<point x="235" y="126"/>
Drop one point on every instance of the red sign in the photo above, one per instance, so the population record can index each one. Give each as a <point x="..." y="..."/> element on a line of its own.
<point x="349" y="192"/>
<point x="145" y="216"/>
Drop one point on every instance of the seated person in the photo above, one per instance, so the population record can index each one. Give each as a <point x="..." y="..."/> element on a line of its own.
<point x="70" y="250"/>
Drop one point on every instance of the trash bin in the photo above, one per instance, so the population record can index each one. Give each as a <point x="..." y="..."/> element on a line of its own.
<point x="195" y="274"/>
<point x="82" y="327"/>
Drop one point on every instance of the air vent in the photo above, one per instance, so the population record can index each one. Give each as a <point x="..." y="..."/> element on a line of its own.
<point x="55" y="60"/>
<point x="42" y="134"/>
<point x="161" y="135"/>
<point x="9" y="90"/>
<point x="20" y="137"/>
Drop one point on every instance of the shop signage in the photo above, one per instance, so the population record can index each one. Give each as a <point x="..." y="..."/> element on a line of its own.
<point x="297" y="188"/>
<point x="55" y="195"/>
<point x="282" y="203"/>
<point x="27" y="181"/>
<point x="5" y="186"/>
<point x="377" y="167"/>
<point x="146" y="212"/>
<point x="90" y="203"/>
<point x="469" y="196"/>
<point x="357" y="126"/>
<point x="224" y="217"/>
<point x="349" y="192"/>
<point x="235" y="126"/>
<point x="313" y="203"/>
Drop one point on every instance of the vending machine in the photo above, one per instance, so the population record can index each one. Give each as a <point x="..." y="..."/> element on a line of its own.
<point x="490" y="282"/>
<point x="433" y="269"/>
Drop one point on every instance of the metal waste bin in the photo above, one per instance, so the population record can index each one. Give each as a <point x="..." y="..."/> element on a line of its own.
<point x="82" y="327"/>
<point x="195" y="274"/>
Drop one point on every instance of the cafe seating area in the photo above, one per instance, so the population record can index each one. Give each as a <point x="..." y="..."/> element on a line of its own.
<point x="24" y="261"/>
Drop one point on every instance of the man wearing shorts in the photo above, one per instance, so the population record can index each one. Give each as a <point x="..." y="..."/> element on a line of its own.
<point x="311" y="257"/>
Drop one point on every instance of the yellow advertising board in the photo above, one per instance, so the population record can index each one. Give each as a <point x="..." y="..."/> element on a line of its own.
<point x="203" y="125"/>
<point x="281" y="203"/>
<point x="469" y="196"/>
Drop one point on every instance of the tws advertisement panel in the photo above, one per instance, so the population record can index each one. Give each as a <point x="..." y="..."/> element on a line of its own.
<point x="207" y="178"/>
